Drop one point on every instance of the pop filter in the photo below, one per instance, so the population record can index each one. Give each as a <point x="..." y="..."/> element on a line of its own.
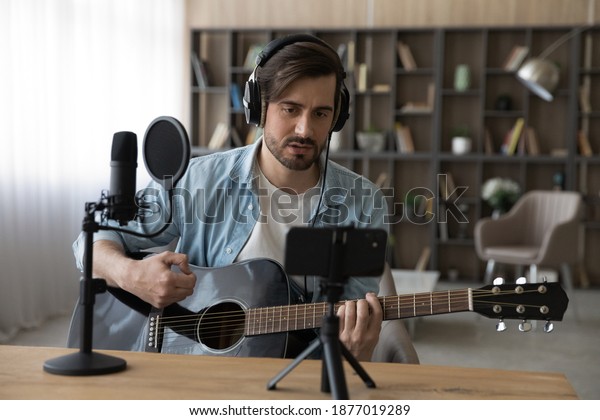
<point x="166" y="151"/>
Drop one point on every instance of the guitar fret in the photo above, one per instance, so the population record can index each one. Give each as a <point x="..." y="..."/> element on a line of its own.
<point x="271" y="320"/>
<point x="280" y="317"/>
<point x="431" y="303"/>
<point x="296" y="319"/>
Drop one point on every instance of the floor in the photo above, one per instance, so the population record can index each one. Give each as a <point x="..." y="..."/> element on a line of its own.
<point x="470" y="340"/>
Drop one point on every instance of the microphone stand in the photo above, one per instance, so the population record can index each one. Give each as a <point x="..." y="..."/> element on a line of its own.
<point x="86" y="361"/>
<point x="332" y="373"/>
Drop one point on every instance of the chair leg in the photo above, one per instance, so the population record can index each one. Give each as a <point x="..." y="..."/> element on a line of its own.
<point x="533" y="277"/>
<point x="568" y="284"/>
<point x="567" y="277"/>
<point x="489" y="272"/>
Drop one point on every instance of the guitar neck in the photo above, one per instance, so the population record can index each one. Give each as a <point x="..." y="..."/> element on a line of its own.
<point x="276" y="319"/>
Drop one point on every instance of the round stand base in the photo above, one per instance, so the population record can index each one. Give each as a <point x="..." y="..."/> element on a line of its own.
<point x="84" y="364"/>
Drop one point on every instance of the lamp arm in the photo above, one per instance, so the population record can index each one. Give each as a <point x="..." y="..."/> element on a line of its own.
<point x="561" y="40"/>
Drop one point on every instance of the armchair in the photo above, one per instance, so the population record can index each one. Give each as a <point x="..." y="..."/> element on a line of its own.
<point x="542" y="229"/>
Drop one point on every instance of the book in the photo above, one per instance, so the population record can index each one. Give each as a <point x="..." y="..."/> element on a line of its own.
<point x="585" y="149"/>
<point x="342" y="51"/>
<point x="406" y="57"/>
<point x="423" y="259"/>
<point x="404" y="140"/>
<point x="584" y="97"/>
<point x="361" y="82"/>
<point x="531" y="142"/>
<point x="382" y="180"/>
<point x="236" y="97"/>
<point x="446" y="185"/>
<point x="219" y="137"/>
<point x="199" y="71"/>
<point x="431" y="95"/>
<point x="442" y="224"/>
<point x="515" y="135"/>
<point x="351" y="54"/>
<point x="253" y="51"/>
<point x="416" y="108"/>
<point x="516" y="57"/>
<point x="381" y="88"/>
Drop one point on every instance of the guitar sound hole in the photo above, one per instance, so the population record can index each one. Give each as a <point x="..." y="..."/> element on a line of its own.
<point x="221" y="326"/>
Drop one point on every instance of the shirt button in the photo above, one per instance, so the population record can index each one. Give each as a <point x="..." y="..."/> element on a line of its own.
<point x="250" y="207"/>
<point x="228" y="250"/>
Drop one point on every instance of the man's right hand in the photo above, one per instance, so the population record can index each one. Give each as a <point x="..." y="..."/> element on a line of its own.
<point x="150" y="279"/>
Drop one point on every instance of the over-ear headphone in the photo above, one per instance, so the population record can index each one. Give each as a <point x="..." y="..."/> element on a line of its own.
<point x="253" y="101"/>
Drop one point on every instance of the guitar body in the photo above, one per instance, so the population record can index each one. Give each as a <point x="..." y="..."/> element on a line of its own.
<point x="230" y="289"/>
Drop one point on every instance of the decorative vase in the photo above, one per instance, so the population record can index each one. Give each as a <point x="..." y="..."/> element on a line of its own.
<point x="461" y="145"/>
<point x="462" y="77"/>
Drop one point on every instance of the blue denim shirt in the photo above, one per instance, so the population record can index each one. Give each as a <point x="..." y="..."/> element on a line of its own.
<point x="215" y="207"/>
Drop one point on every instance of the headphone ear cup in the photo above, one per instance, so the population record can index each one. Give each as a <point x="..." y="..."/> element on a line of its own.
<point x="344" y="106"/>
<point x="252" y="102"/>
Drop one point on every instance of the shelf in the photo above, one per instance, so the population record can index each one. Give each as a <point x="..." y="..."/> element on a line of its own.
<point x="439" y="109"/>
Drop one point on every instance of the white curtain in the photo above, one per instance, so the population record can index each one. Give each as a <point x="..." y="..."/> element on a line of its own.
<point x="72" y="73"/>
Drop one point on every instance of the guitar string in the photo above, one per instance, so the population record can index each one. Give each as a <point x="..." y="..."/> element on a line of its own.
<point x="266" y="325"/>
<point x="388" y="302"/>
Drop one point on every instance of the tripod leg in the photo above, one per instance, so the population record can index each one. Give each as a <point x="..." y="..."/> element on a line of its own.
<point x="307" y="351"/>
<point x="357" y="367"/>
<point x="335" y="370"/>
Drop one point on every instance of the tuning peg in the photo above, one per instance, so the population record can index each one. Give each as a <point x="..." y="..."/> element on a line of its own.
<point x="521" y="280"/>
<point x="501" y="326"/>
<point x="498" y="281"/>
<point x="525" y="326"/>
<point x="548" y="327"/>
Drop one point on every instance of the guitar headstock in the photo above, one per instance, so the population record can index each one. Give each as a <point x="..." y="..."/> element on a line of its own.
<point x="525" y="301"/>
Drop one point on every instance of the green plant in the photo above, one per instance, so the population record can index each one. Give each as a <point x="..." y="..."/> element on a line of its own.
<point x="461" y="131"/>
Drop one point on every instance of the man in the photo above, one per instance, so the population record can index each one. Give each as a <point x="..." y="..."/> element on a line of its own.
<point x="240" y="204"/>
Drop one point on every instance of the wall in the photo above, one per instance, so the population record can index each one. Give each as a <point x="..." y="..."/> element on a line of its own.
<point x="385" y="13"/>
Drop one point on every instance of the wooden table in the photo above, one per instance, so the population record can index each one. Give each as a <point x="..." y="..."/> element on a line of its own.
<point x="179" y="377"/>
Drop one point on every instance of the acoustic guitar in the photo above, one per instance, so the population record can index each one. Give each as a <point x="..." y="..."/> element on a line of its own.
<point x="249" y="309"/>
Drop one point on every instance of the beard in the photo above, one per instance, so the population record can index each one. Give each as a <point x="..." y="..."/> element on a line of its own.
<point x="294" y="161"/>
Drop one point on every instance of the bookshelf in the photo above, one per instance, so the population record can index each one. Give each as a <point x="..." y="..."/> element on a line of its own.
<point x="422" y="97"/>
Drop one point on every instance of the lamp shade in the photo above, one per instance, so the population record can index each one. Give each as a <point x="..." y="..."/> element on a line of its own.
<point x="540" y="76"/>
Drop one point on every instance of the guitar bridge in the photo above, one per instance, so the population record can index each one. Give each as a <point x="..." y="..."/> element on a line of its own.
<point x="154" y="335"/>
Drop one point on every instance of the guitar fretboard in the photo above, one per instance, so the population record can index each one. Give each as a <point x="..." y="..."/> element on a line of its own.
<point x="276" y="319"/>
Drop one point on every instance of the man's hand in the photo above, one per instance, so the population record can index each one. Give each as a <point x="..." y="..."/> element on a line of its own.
<point x="150" y="279"/>
<point x="360" y="324"/>
<point x="153" y="281"/>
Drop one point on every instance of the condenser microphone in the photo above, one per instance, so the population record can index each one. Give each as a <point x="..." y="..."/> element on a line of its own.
<point x="123" y="166"/>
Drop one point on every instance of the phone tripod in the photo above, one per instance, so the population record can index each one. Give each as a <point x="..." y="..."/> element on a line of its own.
<point x="332" y="375"/>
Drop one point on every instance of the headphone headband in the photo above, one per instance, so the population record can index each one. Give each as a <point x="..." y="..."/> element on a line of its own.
<point x="272" y="47"/>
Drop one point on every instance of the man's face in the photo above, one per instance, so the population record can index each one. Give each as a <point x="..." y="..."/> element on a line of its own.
<point x="298" y="123"/>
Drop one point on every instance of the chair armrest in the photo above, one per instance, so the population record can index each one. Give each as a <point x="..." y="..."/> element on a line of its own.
<point x="494" y="232"/>
<point x="561" y="244"/>
<point x="394" y="344"/>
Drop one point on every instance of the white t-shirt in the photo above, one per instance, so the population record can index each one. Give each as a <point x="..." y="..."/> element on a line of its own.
<point x="279" y="212"/>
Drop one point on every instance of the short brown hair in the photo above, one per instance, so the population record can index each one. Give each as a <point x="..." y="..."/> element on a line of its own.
<point x="295" y="61"/>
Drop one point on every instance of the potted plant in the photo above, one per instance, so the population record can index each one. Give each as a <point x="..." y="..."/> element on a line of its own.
<point x="461" y="140"/>
<point x="371" y="140"/>
<point x="500" y="194"/>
